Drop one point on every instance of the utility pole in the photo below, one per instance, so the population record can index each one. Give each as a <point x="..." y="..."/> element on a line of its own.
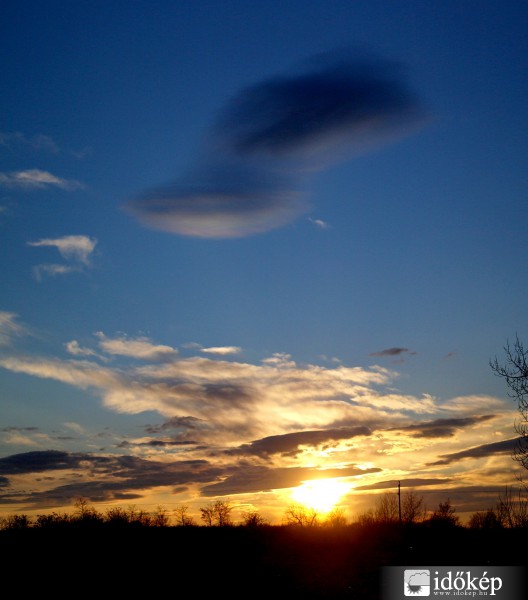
<point x="399" y="502"/>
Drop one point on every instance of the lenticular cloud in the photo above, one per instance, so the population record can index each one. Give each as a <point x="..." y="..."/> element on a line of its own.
<point x="262" y="144"/>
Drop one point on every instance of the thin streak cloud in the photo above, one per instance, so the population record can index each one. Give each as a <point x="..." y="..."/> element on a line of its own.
<point x="10" y="328"/>
<point x="31" y="179"/>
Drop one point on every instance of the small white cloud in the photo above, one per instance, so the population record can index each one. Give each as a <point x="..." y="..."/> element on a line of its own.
<point x="319" y="223"/>
<point x="222" y="350"/>
<point x="279" y="359"/>
<point x="76" y="349"/>
<point x="74" y="427"/>
<point x="141" y="347"/>
<point x="37" y="179"/>
<point x="52" y="270"/>
<point x="72" y="247"/>
<point x="9" y="328"/>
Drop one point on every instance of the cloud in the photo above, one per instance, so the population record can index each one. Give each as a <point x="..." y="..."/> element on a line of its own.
<point x="44" y="460"/>
<point x="249" y="177"/>
<point x="38" y="142"/>
<point x="442" y="427"/>
<point x="77" y="249"/>
<point x="9" y="429"/>
<point x="391" y="352"/>
<point x="319" y="223"/>
<point x="140" y="348"/>
<point x="158" y="443"/>
<point x="334" y="103"/>
<point x="73" y="347"/>
<point x="105" y="477"/>
<point x="53" y="269"/>
<point x="236" y="201"/>
<point x="502" y="447"/>
<point x="222" y="350"/>
<point x="289" y="443"/>
<point x="263" y="425"/>
<point x="175" y="423"/>
<point x="250" y="479"/>
<point x="236" y="400"/>
<point x="71" y="247"/>
<point x="9" y="328"/>
<point x="32" y="179"/>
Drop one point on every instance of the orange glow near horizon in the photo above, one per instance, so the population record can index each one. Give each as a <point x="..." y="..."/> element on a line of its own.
<point x="320" y="494"/>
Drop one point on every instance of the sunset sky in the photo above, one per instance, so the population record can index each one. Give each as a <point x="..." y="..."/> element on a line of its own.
<point x="246" y="245"/>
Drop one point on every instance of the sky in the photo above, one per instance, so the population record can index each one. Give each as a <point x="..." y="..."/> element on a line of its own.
<point x="245" y="246"/>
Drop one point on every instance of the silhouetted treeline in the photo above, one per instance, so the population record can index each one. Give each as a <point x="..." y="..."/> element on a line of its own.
<point x="241" y="562"/>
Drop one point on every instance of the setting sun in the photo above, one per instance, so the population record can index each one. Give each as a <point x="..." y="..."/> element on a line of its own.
<point x="320" y="494"/>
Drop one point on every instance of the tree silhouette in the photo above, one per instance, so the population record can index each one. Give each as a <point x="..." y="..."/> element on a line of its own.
<point x="182" y="519"/>
<point x="515" y="373"/>
<point x="336" y="518"/>
<point x="253" y="518"/>
<point x="445" y="514"/>
<point x="386" y="510"/>
<point x="485" y="520"/>
<point x="218" y="513"/>
<point x="302" y="516"/>
<point x="412" y="507"/>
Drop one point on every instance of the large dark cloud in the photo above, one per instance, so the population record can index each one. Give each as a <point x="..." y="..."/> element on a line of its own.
<point x="289" y="443"/>
<point x="114" y="477"/>
<point x="336" y="102"/>
<point x="47" y="460"/>
<point x="247" y="178"/>
<point x="502" y="447"/>
<point x="442" y="427"/>
<point x="253" y="479"/>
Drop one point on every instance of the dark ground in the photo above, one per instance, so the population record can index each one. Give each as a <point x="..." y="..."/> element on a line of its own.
<point x="205" y="562"/>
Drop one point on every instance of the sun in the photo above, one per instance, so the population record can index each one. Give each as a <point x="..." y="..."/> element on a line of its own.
<point x="320" y="494"/>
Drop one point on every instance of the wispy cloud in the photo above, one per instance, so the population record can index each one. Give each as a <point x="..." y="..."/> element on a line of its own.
<point x="37" y="179"/>
<point x="73" y="347"/>
<point x="71" y="247"/>
<point x="319" y="223"/>
<point x="38" y="142"/>
<point x="234" y="427"/>
<point x="250" y="175"/>
<point x="10" y="328"/>
<point x="77" y="249"/>
<point x="53" y="269"/>
<point x="234" y="399"/>
<point x="141" y="348"/>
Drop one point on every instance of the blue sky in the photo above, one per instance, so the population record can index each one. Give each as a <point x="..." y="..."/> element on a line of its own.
<point x="225" y="222"/>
